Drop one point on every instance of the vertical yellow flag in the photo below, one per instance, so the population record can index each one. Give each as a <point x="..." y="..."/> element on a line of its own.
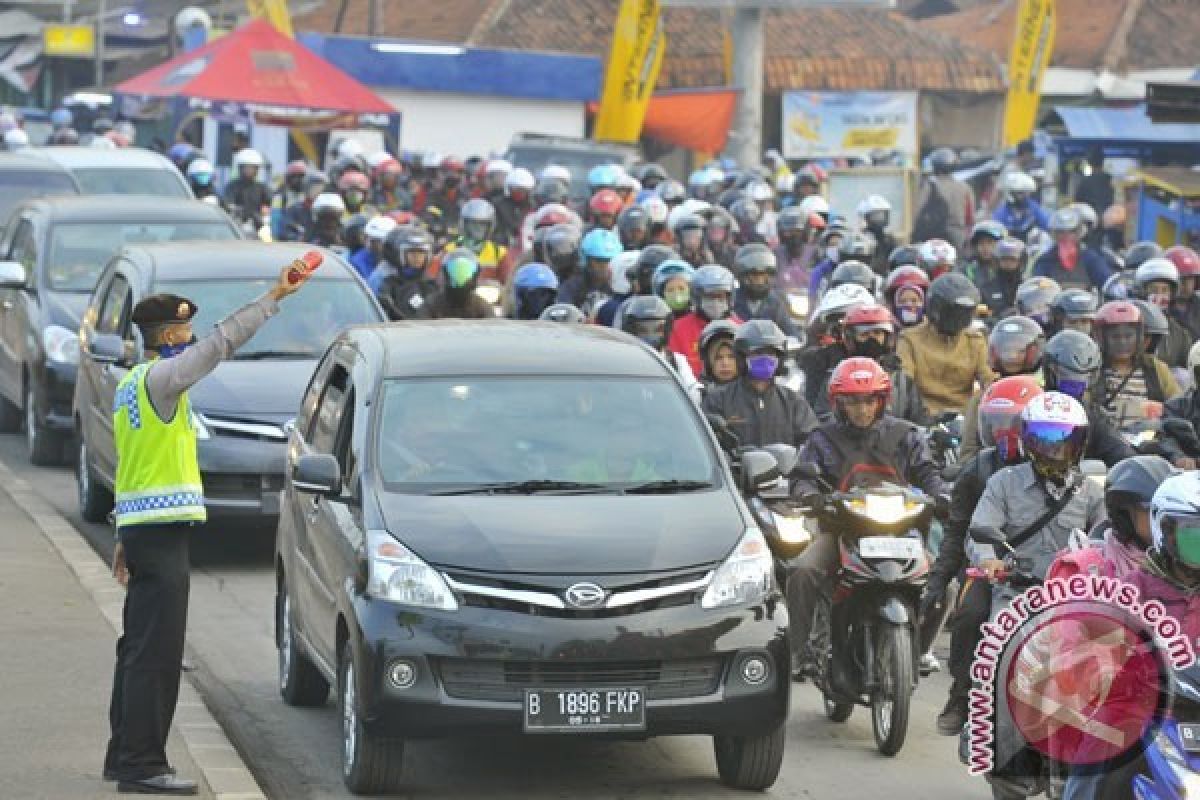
<point x="633" y="63"/>
<point x="274" y="11"/>
<point x="1033" y="43"/>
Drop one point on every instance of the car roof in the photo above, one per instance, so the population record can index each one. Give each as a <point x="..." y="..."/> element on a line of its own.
<point x="135" y="208"/>
<point x="24" y="162"/>
<point x="247" y="258"/>
<point x="505" y="347"/>
<point x="118" y="158"/>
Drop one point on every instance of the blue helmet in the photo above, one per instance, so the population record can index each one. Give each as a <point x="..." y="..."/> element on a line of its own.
<point x="460" y="268"/>
<point x="535" y="276"/>
<point x="61" y="118"/>
<point x="669" y="269"/>
<point x="604" y="176"/>
<point x="601" y="244"/>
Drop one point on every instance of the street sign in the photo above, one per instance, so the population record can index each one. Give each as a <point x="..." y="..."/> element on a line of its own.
<point x="69" y="40"/>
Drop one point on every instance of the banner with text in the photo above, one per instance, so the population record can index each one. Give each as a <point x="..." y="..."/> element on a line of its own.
<point x="1032" y="46"/>
<point x="637" y="52"/>
<point x="848" y="124"/>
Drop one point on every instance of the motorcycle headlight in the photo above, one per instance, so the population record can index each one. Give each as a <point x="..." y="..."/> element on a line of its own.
<point x="792" y="530"/>
<point x="745" y="576"/>
<point x="798" y="303"/>
<point x="885" y="509"/>
<point x="60" y="344"/>
<point x="489" y="293"/>
<point x="397" y="575"/>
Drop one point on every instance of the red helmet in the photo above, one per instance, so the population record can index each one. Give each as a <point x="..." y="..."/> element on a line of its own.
<point x="387" y="165"/>
<point x="901" y="277"/>
<point x="353" y="180"/>
<point x="605" y="201"/>
<point x="297" y="167"/>
<point x="552" y="214"/>
<point x="859" y="376"/>
<point x="1000" y="414"/>
<point x="1118" y="312"/>
<point x="815" y="222"/>
<point x="452" y="164"/>
<point x="1185" y="260"/>
<point x="861" y="319"/>
<point x="401" y="217"/>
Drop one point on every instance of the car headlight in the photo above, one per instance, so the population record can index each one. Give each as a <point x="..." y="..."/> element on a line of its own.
<point x="200" y="428"/>
<point x="746" y="575"/>
<point x="397" y="575"/>
<point x="792" y="530"/>
<point x="60" y="344"/>
<point x="885" y="509"/>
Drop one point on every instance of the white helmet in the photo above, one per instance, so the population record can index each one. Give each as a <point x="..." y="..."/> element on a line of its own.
<point x="760" y="191"/>
<point x="497" y="165"/>
<point x="329" y="201"/>
<point x="198" y="166"/>
<point x="1175" y="518"/>
<point x="1054" y="432"/>
<point x="840" y="299"/>
<point x="17" y="138"/>
<point x="519" y="178"/>
<point x="378" y="227"/>
<point x="556" y="172"/>
<point x="619" y="267"/>
<point x="1019" y="182"/>
<point x="378" y="158"/>
<point x="689" y="206"/>
<point x="348" y="148"/>
<point x="247" y="157"/>
<point x="627" y="181"/>
<point x="814" y="204"/>
<point x="432" y="159"/>
<point x="785" y="183"/>
<point x="102" y="143"/>
<point x="656" y="209"/>
<point x="872" y="203"/>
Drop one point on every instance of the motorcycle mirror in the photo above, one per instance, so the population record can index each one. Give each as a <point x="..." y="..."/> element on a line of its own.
<point x="785" y="457"/>
<point x="989" y="535"/>
<point x="759" y="469"/>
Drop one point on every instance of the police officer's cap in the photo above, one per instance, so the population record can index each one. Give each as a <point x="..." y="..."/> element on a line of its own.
<point x="163" y="309"/>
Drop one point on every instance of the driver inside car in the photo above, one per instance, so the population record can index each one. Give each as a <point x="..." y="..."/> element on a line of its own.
<point x="861" y="437"/>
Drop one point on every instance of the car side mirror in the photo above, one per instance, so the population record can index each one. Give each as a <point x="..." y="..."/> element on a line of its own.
<point x="108" y="348"/>
<point x="989" y="535"/>
<point x="12" y="275"/>
<point x="759" y="469"/>
<point x="319" y="473"/>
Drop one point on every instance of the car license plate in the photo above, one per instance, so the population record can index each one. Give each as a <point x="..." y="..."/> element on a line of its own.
<point x="584" y="710"/>
<point x="1189" y="733"/>
<point x="888" y="547"/>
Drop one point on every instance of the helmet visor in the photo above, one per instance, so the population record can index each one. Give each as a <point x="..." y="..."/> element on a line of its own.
<point x="1014" y="357"/>
<point x="651" y="331"/>
<point x="1054" y="447"/>
<point x="1186" y="533"/>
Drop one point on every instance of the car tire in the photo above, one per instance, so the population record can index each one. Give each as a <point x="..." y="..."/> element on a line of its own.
<point x="45" y="446"/>
<point x="10" y="416"/>
<point x="370" y="764"/>
<point x="300" y="682"/>
<point x="95" y="501"/>
<point x="751" y="763"/>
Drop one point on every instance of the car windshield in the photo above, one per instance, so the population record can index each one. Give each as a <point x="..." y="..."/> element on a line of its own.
<point x="115" y="180"/>
<point x="79" y="250"/>
<point x="304" y="326"/>
<point x="464" y="434"/>
<point x="17" y="187"/>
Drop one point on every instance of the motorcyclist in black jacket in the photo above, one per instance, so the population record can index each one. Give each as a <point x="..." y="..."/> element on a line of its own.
<point x="406" y="292"/>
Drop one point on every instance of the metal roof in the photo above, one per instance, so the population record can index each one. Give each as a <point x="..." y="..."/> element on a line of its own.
<point x="1123" y="124"/>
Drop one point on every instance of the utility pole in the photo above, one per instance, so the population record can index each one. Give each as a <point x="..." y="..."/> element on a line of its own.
<point x="745" y="137"/>
<point x="101" y="15"/>
<point x="374" y="17"/>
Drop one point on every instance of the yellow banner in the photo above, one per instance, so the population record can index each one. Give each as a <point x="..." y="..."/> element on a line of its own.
<point x="637" y="53"/>
<point x="69" y="40"/>
<point x="274" y="11"/>
<point x="1032" y="45"/>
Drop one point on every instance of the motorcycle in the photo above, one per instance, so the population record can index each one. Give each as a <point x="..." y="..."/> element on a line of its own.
<point x="945" y="436"/>
<point x="780" y="517"/>
<point x="1171" y="768"/>
<point x="872" y="656"/>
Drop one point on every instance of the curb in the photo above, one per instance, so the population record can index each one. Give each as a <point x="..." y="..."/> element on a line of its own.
<point x="219" y="762"/>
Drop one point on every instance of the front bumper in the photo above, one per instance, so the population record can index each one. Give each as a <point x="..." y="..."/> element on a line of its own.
<point x="474" y="664"/>
<point x="54" y="396"/>
<point x="242" y="477"/>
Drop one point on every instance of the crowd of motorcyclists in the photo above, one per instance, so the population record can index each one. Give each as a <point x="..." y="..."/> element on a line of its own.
<point x="797" y="323"/>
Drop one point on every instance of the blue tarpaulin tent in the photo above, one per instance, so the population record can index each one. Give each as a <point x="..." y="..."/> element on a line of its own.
<point x="1124" y="133"/>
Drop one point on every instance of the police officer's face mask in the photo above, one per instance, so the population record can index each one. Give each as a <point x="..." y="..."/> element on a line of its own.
<point x="170" y="350"/>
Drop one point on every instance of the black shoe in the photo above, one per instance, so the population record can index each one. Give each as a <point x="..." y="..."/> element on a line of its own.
<point x="166" y="783"/>
<point x="111" y="774"/>
<point x="953" y="717"/>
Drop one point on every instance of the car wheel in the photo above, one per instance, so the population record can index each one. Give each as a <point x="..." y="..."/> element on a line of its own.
<point x="45" y="447"/>
<point x="95" y="501"/>
<point x="370" y="764"/>
<point x="10" y="416"/>
<point x="750" y="762"/>
<point x="300" y="683"/>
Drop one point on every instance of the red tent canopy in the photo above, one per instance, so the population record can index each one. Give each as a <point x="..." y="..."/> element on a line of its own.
<point x="257" y="65"/>
<point x="696" y="119"/>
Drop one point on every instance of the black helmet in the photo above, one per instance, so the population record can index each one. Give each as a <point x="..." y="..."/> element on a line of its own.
<point x="550" y="190"/>
<point x="354" y="230"/>
<point x="1140" y="252"/>
<point x="903" y="256"/>
<point x="401" y="240"/>
<point x="791" y="220"/>
<point x="648" y="261"/>
<point x="943" y="160"/>
<point x="1072" y="304"/>
<point x="857" y="246"/>
<point x="651" y="175"/>
<point x="563" y="312"/>
<point x="1071" y="363"/>
<point x="561" y="249"/>
<point x="759" y="334"/>
<point x="632" y="225"/>
<point x="951" y="303"/>
<point x="754" y="257"/>
<point x="854" y="272"/>
<point x="648" y="317"/>
<point x="672" y="192"/>
<point x="1131" y="484"/>
<point x="1015" y="346"/>
<point x="1154" y="323"/>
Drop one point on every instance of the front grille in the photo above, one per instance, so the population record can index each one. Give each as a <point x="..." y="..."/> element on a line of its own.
<point x="503" y="681"/>
<point x="671" y="592"/>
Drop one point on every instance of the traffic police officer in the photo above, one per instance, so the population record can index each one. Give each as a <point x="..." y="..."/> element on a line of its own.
<point x="159" y="499"/>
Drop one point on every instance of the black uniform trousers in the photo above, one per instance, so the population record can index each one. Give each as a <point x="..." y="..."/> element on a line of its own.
<point x="966" y="629"/>
<point x="150" y="653"/>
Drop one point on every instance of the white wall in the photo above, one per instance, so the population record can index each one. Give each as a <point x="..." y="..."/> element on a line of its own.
<point x="465" y="125"/>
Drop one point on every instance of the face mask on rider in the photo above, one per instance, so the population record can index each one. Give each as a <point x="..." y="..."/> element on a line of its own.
<point x="761" y="367"/>
<point x="871" y="348"/>
<point x="678" y="299"/>
<point x="714" y="307"/>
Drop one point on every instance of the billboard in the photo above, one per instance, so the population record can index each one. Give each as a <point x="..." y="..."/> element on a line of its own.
<point x="847" y="124"/>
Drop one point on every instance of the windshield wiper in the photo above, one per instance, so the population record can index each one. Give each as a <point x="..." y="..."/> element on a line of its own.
<point x="263" y="355"/>
<point x="528" y="487"/>
<point x="672" y="486"/>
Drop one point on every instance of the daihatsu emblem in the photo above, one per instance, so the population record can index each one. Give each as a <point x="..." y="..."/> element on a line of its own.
<point x="585" y="596"/>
